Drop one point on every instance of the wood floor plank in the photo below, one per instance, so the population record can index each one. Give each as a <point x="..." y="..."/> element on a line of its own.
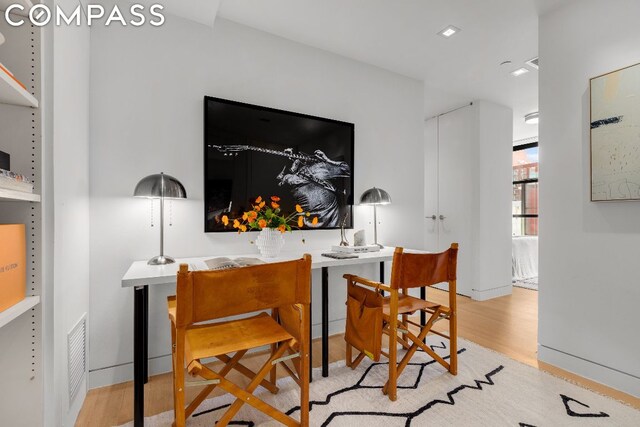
<point x="508" y="325"/>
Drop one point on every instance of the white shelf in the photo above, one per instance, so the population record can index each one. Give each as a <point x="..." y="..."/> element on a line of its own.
<point x="4" y="4"/>
<point x="12" y="93"/>
<point x="16" y="196"/>
<point x="17" y="310"/>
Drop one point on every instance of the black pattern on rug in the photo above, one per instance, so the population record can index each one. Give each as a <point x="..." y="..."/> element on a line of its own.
<point x="572" y="413"/>
<point x="333" y="406"/>
<point x="358" y="386"/>
<point x="411" y="415"/>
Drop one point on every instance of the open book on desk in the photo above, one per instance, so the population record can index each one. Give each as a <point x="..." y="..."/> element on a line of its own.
<point x="223" y="263"/>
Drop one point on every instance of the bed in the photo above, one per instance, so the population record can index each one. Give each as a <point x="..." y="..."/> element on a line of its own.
<point x="524" y="252"/>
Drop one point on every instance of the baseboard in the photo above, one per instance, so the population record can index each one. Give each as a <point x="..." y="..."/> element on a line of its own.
<point x="610" y="377"/>
<point x="335" y="327"/>
<point x="486" y="294"/>
<point x="161" y="364"/>
<point x="123" y="373"/>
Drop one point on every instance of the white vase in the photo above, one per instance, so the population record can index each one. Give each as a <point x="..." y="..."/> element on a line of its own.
<point x="270" y="242"/>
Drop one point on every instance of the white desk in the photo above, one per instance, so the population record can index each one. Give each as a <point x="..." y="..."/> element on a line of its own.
<point x="140" y="276"/>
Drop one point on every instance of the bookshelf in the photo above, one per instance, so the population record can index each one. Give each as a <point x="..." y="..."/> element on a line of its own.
<point x="18" y="310"/>
<point x="14" y="94"/>
<point x="21" y="126"/>
<point x="18" y="196"/>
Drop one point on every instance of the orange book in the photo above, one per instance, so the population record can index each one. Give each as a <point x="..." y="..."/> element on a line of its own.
<point x="13" y="270"/>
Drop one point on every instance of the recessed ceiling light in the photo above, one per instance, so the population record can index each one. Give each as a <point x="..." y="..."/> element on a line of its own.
<point x="449" y="31"/>
<point x="532" y="118"/>
<point x="533" y="63"/>
<point x="519" y="72"/>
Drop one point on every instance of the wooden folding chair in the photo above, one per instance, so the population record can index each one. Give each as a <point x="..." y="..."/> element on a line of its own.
<point x="203" y="296"/>
<point x="411" y="270"/>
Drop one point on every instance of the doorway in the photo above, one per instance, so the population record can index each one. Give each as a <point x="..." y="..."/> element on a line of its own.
<point x="525" y="214"/>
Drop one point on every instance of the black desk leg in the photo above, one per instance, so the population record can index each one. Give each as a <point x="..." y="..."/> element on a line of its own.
<point x="145" y="336"/>
<point x="139" y="361"/>
<point x="310" y="333"/>
<point x="382" y="272"/>
<point x="423" y="315"/>
<point x="325" y="322"/>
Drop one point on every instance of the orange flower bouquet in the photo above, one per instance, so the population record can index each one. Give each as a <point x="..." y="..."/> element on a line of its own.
<point x="271" y="222"/>
<point x="270" y="216"/>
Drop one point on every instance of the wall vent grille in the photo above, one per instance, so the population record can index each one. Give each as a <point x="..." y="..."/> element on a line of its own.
<point x="77" y="357"/>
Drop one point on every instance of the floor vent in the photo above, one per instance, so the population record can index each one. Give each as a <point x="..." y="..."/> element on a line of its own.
<point x="77" y="347"/>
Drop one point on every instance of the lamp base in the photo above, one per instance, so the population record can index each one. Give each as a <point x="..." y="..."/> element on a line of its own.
<point x="379" y="245"/>
<point x="161" y="260"/>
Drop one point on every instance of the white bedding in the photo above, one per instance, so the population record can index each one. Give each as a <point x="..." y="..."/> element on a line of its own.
<point x="524" y="252"/>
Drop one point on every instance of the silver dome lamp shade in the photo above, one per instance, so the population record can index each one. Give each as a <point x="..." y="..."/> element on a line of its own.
<point x="375" y="197"/>
<point x="160" y="186"/>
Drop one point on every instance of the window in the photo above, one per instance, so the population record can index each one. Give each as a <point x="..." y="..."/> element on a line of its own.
<point x="525" y="190"/>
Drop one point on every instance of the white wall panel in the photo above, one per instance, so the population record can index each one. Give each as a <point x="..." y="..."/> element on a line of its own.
<point x="588" y="251"/>
<point x="70" y="140"/>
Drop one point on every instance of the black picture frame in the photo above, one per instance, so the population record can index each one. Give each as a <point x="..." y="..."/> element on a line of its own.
<point x="278" y="141"/>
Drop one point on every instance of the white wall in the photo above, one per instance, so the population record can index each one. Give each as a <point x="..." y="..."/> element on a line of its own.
<point x="589" y="289"/>
<point x="493" y="224"/>
<point x="147" y="93"/>
<point x="70" y="85"/>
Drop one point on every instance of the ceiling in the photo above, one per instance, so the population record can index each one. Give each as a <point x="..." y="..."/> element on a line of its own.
<point x="400" y="36"/>
<point x="201" y="11"/>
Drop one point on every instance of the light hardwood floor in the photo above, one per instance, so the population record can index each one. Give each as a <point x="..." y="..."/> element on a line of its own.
<point x="508" y="325"/>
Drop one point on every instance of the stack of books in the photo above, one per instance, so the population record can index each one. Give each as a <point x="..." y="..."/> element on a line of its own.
<point x="14" y="181"/>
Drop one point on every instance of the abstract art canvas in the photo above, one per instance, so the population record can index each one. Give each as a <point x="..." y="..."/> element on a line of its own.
<point x="615" y="135"/>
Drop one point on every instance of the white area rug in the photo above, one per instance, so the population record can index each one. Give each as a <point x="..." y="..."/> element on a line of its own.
<point x="530" y="283"/>
<point x="490" y="390"/>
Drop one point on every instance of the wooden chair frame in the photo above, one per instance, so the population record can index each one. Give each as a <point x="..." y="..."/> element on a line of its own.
<point x="290" y="308"/>
<point x="396" y="323"/>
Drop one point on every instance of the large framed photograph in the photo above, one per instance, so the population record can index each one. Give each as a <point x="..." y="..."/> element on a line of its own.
<point x="615" y="135"/>
<point x="252" y="151"/>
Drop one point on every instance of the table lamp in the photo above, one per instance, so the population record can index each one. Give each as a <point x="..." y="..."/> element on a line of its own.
<point x="374" y="197"/>
<point x="160" y="186"/>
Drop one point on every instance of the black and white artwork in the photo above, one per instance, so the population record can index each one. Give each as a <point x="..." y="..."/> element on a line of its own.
<point x="253" y="151"/>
